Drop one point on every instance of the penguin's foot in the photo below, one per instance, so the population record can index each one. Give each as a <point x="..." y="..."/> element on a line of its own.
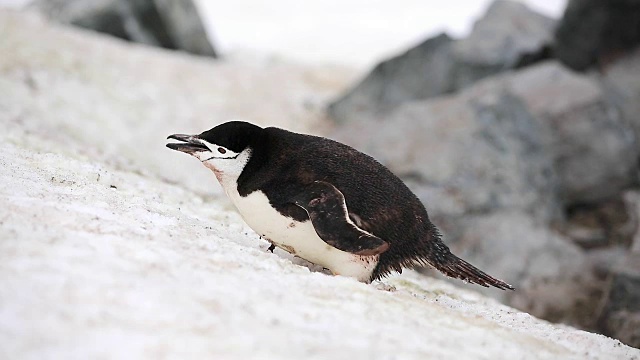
<point x="271" y="248"/>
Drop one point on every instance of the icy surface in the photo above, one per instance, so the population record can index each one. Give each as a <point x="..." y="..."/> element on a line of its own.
<point x="102" y="257"/>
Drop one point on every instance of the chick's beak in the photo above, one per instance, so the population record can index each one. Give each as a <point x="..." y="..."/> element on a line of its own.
<point x="188" y="143"/>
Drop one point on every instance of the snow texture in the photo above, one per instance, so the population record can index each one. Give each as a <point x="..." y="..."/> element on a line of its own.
<point x="107" y="252"/>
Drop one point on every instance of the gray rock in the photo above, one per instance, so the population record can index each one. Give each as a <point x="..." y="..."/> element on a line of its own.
<point x="621" y="81"/>
<point x="422" y="72"/>
<point x="632" y="199"/>
<point x="604" y="260"/>
<point x="185" y="27"/>
<point x="592" y="146"/>
<point x="595" y="32"/>
<point x="168" y="24"/>
<point x="479" y="150"/>
<point x="552" y="276"/>
<point x="500" y="40"/>
<point x="508" y="33"/>
<point x="537" y="139"/>
<point x="608" y="223"/>
<point x="620" y="316"/>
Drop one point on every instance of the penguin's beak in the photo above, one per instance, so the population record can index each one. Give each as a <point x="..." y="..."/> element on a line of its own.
<point x="189" y="143"/>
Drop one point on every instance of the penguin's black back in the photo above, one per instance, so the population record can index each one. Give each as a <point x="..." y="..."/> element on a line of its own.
<point x="284" y="162"/>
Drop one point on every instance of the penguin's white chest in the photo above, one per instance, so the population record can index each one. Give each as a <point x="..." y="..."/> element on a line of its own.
<point x="298" y="238"/>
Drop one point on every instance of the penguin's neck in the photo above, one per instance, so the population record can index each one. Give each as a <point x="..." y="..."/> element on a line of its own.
<point x="228" y="171"/>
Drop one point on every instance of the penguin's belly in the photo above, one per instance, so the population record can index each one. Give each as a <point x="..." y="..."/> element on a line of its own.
<point x="299" y="238"/>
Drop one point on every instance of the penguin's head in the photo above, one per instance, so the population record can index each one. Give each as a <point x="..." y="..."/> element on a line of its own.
<point x="225" y="149"/>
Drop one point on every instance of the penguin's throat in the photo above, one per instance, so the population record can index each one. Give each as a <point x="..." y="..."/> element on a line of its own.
<point x="220" y="175"/>
<point x="228" y="171"/>
<point x="226" y="179"/>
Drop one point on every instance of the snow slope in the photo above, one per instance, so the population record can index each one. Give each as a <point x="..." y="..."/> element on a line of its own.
<point x="109" y="250"/>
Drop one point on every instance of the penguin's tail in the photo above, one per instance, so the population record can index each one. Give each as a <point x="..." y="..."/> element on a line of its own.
<point x="441" y="258"/>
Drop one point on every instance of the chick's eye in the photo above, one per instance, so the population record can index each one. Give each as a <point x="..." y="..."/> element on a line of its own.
<point x="222" y="150"/>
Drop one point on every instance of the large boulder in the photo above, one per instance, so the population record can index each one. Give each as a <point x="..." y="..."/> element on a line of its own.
<point x="422" y="72"/>
<point x="479" y="148"/>
<point x="593" y="148"/>
<point x="508" y="35"/>
<point x="595" y="32"/>
<point x="169" y="24"/>
<point x="537" y="139"/>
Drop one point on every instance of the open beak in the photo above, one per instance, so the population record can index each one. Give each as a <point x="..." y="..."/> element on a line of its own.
<point x="189" y="143"/>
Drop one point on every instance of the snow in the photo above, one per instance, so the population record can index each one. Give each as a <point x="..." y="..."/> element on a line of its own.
<point x="112" y="246"/>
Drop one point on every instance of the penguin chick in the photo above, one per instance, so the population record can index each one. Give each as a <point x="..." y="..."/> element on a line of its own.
<point x="325" y="202"/>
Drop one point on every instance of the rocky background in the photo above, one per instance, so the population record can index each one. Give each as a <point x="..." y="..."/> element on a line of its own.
<point x="171" y="24"/>
<point x="521" y="140"/>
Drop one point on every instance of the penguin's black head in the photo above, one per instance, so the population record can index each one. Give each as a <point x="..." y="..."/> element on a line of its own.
<point x="233" y="135"/>
<point x="230" y="137"/>
<point x="224" y="148"/>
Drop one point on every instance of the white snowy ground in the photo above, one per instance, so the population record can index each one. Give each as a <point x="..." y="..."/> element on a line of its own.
<point x="112" y="247"/>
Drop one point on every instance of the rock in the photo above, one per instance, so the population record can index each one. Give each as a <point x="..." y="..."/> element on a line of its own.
<point x="509" y="35"/>
<point x="621" y="81"/>
<point x="632" y="199"/>
<point x="604" y="260"/>
<point x="611" y="222"/>
<point x="422" y="72"/>
<point x="504" y="38"/>
<point x="595" y="32"/>
<point x="185" y="26"/>
<point x="523" y="140"/>
<point x="479" y="149"/>
<point x="620" y="316"/>
<point x="552" y="276"/>
<point x="169" y="24"/>
<point x="593" y="148"/>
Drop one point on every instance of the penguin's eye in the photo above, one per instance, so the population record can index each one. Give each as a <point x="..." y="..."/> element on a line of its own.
<point x="222" y="150"/>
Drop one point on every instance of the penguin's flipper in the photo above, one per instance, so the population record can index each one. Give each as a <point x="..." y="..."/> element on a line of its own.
<point x="327" y="209"/>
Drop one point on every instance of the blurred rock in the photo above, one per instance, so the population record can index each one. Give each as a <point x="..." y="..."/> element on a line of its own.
<point x="508" y="35"/>
<point x="537" y="139"/>
<point x="632" y="199"/>
<point x="169" y="24"/>
<point x="480" y="149"/>
<point x="604" y="260"/>
<point x="596" y="32"/>
<point x="620" y="316"/>
<point x="422" y="72"/>
<point x="551" y="275"/>
<point x="593" y="149"/>
<point x="611" y="222"/>
<point x="621" y="81"/>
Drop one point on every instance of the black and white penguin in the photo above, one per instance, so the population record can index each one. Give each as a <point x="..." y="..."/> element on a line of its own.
<point x="325" y="202"/>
